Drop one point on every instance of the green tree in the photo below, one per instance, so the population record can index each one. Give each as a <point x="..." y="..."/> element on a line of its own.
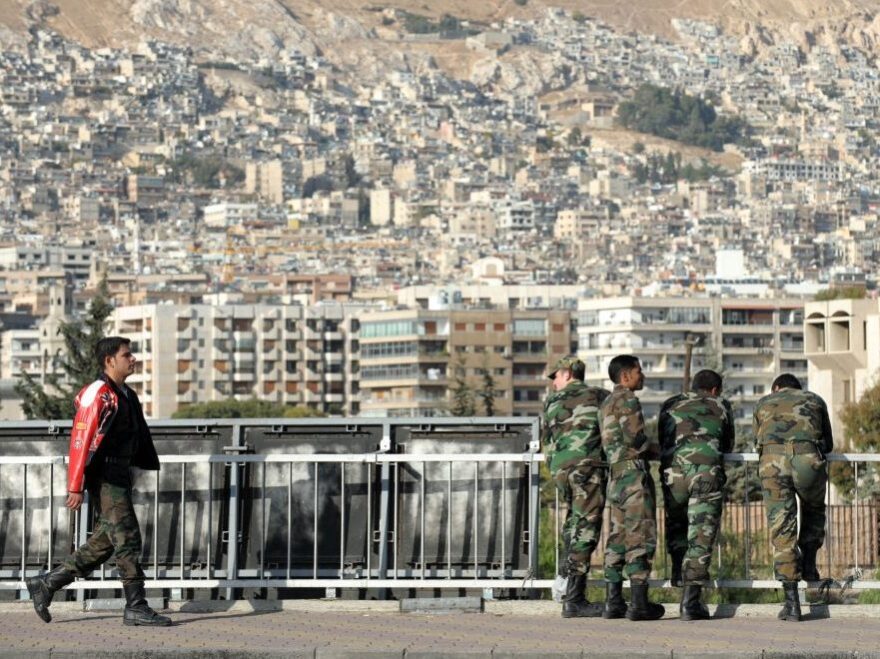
<point x="462" y="393"/>
<point x="487" y="390"/>
<point x="675" y="115"/>
<point x="53" y="398"/>
<point x="252" y="408"/>
<point x="840" y="293"/>
<point x="861" y="432"/>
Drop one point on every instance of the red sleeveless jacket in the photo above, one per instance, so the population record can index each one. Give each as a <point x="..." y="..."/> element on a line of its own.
<point x="96" y="405"/>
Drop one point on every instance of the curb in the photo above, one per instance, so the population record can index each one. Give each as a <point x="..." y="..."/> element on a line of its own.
<point x="490" y="607"/>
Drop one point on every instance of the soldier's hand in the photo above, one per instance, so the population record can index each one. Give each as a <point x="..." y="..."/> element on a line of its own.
<point x="74" y="500"/>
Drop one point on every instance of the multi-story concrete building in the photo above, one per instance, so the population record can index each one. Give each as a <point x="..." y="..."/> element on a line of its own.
<point x="411" y="360"/>
<point x="291" y="354"/>
<point x="751" y="341"/>
<point x="842" y="346"/>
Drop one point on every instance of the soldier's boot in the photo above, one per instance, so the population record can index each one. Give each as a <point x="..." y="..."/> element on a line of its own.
<point x="615" y="605"/>
<point x="791" y="610"/>
<point x="640" y="608"/>
<point x="137" y="611"/>
<point x="44" y="587"/>
<point x="810" y="571"/>
<point x="691" y="607"/>
<point x="574" y="602"/>
<point x="677" y="557"/>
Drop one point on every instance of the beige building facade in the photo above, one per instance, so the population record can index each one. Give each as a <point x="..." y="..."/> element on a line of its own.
<point x="290" y="354"/>
<point x="750" y="341"/>
<point x="411" y="360"/>
<point x="842" y="346"/>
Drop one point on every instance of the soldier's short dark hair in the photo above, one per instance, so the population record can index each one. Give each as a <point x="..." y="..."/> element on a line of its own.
<point x="578" y="371"/>
<point x="621" y="364"/>
<point x="107" y="347"/>
<point x="706" y="380"/>
<point x="786" y="381"/>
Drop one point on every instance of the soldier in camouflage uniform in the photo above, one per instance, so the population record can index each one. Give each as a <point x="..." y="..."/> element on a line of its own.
<point x="633" y="535"/>
<point x="570" y="436"/>
<point x="793" y="436"/>
<point x="695" y="431"/>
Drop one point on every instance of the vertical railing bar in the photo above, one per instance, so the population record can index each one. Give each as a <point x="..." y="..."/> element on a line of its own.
<point x="315" y="527"/>
<point x="396" y="506"/>
<point x="369" y="534"/>
<point x="532" y="538"/>
<point x="156" y="528"/>
<point x="233" y="521"/>
<point x="476" y="519"/>
<point x="51" y="512"/>
<point x="182" y="514"/>
<point x="23" y="520"/>
<point x="289" y="511"/>
<point x="856" y="516"/>
<point x="342" y="520"/>
<point x="556" y="530"/>
<point x="449" y="522"/>
<point x="422" y="531"/>
<point x="210" y="523"/>
<point x="829" y="528"/>
<point x="748" y="542"/>
<point x="263" y="522"/>
<point x="503" y="520"/>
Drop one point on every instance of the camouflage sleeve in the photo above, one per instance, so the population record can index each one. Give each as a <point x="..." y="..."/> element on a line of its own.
<point x="728" y="431"/>
<point x="756" y="424"/>
<point x="827" y="439"/>
<point x="544" y="432"/>
<point x="665" y="426"/>
<point x="633" y="428"/>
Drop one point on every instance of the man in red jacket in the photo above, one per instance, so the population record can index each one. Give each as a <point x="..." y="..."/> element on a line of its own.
<point x="109" y="436"/>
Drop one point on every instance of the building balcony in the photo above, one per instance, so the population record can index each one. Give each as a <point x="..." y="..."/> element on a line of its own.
<point x="273" y="334"/>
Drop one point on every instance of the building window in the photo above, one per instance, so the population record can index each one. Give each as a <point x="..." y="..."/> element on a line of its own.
<point x="530" y="326"/>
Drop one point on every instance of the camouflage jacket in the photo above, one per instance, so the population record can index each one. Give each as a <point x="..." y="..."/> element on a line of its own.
<point x="792" y="415"/>
<point x="570" y="425"/>
<point x="695" y="428"/>
<point x="623" y="428"/>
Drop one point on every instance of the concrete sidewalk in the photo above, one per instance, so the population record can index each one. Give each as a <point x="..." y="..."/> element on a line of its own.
<point x="323" y="630"/>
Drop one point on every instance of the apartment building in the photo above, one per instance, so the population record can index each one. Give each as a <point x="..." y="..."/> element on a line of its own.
<point x="750" y="340"/>
<point x="842" y="347"/>
<point x="291" y="354"/>
<point x="412" y="359"/>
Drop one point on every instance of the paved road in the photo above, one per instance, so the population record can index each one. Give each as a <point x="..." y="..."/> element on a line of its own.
<point x="334" y="633"/>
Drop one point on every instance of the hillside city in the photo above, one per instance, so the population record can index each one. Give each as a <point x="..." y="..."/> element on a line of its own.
<point x="368" y="242"/>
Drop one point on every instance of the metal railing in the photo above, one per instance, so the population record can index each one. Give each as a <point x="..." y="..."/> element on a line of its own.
<point x="246" y="516"/>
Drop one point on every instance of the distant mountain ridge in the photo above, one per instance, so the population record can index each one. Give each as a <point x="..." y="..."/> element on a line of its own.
<point x="262" y="27"/>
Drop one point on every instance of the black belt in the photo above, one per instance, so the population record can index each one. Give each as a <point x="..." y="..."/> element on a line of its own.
<point x="109" y="459"/>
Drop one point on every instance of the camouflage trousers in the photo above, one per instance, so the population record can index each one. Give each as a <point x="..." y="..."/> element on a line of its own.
<point x="784" y="479"/>
<point x="582" y="488"/>
<point x="632" y="537"/>
<point x="116" y="533"/>
<point x="693" y="494"/>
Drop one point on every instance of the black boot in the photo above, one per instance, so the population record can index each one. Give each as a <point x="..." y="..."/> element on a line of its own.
<point x="574" y="603"/>
<point x="691" y="607"/>
<point x="615" y="605"/>
<point x="810" y="571"/>
<point x="639" y="607"/>
<point x="137" y="611"/>
<point x="791" y="610"/>
<point x="677" y="558"/>
<point x="44" y="587"/>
